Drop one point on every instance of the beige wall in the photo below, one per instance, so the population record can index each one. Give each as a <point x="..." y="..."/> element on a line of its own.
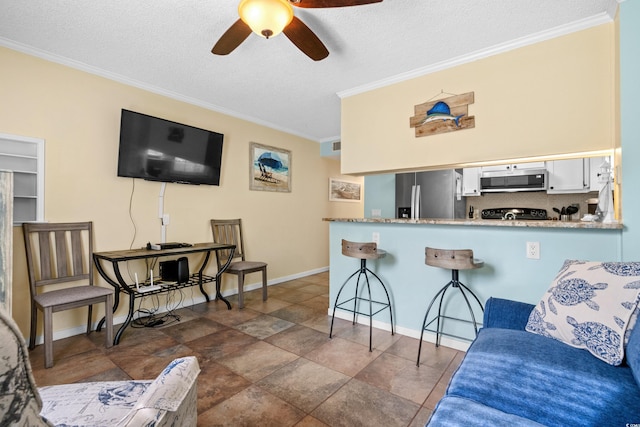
<point x="78" y="115"/>
<point x="550" y="98"/>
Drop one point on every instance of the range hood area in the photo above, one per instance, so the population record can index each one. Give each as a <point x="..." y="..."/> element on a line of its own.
<point x="514" y="180"/>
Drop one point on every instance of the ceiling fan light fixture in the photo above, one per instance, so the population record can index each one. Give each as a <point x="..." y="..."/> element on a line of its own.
<point x="266" y="18"/>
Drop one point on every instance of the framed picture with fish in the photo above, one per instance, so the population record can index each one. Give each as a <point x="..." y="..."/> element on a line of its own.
<point x="269" y="168"/>
<point x="448" y="114"/>
<point x="344" y="191"/>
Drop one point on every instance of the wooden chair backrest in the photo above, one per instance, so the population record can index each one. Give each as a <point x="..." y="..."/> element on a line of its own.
<point x="228" y="231"/>
<point x="452" y="259"/>
<point x="366" y="250"/>
<point x="58" y="253"/>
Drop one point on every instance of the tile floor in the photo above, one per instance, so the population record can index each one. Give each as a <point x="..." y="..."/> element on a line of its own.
<point x="272" y="363"/>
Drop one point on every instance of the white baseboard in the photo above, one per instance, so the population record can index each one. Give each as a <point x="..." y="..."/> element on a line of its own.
<point x="258" y="285"/>
<point x="196" y="299"/>
<point x="413" y="333"/>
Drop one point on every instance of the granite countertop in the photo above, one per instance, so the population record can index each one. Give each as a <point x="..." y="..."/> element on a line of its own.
<point x="486" y="223"/>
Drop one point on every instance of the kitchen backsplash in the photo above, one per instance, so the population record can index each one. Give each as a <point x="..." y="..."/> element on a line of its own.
<point x="532" y="199"/>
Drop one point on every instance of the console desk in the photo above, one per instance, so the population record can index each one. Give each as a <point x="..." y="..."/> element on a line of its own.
<point x="121" y="285"/>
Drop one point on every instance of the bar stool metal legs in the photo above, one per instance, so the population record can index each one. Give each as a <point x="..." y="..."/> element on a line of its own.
<point x="455" y="260"/>
<point x="363" y="251"/>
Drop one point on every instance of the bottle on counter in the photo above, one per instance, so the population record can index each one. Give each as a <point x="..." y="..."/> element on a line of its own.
<point x="470" y="212"/>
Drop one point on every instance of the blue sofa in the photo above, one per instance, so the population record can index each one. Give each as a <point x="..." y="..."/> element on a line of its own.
<point x="510" y="377"/>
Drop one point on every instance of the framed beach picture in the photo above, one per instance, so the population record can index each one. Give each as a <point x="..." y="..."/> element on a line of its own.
<point x="269" y="168"/>
<point x="344" y="191"/>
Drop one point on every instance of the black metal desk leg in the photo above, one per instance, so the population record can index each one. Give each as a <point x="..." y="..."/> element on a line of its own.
<point x="116" y="297"/>
<point x="127" y="322"/>
<point x="200" y="284"/>
<point x="132" y="301"/>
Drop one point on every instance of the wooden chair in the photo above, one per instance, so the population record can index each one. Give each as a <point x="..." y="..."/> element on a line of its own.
<point x="229" y="231"/>
<point x="60" y="253"/>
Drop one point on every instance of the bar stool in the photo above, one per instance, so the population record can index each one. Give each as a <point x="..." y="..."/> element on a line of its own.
<point x="362" y="251"/>
<point x="455" y="260"/>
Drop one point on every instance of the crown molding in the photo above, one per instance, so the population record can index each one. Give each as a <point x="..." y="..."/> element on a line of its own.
<point x="599" y="19"/>
<point x="573" y="27"/>
<point x="81" y="66"/>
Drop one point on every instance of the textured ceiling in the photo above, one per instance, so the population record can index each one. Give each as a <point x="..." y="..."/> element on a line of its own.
<point x="164" y="46"/>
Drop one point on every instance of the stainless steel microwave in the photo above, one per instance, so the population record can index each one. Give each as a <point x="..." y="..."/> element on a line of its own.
<point x="518" y="180"/>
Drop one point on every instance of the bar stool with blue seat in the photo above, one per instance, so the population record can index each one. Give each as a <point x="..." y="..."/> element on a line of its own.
<point x="454" y="260"/>
<point x="362" y="251"/>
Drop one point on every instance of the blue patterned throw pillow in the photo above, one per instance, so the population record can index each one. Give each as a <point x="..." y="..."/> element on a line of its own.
<point x="590" y="305"/>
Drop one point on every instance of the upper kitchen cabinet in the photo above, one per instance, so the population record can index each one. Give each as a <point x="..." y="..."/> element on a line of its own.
<point x="568" y="176"/>
<point x="513" y="167"/>
<point x="471" y="181"/>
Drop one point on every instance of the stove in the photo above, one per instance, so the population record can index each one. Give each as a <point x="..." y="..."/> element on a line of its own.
<point x="519" y="214"/>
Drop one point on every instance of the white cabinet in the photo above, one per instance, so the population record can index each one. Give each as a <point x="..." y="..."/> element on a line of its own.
<point x="568" y="176"/>
<point x="25" y="157"/>
<point x="514" y="166"/>
<point x="471" y="181"/>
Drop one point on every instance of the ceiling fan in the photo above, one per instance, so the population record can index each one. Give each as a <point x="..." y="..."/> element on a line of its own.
<point x="268" y="18"/>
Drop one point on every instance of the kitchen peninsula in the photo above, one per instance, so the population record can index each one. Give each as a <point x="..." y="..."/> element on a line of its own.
<point x="501" y="244"/>
<point x="487" y="223"/>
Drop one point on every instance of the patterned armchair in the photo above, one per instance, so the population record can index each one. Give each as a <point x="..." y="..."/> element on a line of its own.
<point x="170" y="399"/>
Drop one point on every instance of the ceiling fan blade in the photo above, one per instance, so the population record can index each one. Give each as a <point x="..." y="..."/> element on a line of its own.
<point x="305" y="39"/>
<point x="331" y="3"/>
<point x="232" y="38"/>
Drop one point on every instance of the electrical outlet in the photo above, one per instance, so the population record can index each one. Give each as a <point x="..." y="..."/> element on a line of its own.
<point x="533" y="250"/>
<point x="376" y="237"/>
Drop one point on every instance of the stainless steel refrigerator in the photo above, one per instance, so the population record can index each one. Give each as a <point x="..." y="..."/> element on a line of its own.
<point x="432" y="194"/>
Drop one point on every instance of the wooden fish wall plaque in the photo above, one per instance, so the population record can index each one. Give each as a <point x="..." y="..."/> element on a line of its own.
<point x="443" y="115"/>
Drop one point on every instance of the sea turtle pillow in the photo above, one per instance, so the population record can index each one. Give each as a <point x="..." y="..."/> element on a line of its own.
<point x="590" y="305"/>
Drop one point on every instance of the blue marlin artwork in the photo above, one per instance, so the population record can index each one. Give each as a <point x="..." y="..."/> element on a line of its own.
<point x="441" y="111"/>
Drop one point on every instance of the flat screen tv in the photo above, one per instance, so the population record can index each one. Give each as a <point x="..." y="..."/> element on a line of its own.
<point x="161" y="150"/>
